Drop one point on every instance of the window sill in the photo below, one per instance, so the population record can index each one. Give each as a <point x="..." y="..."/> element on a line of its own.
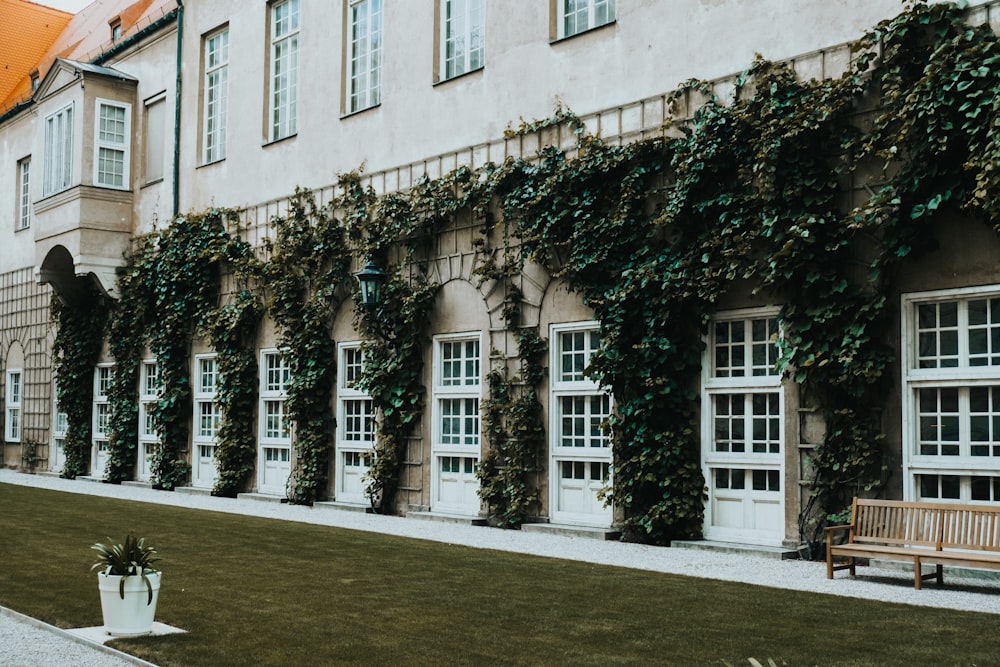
<point x="463" y="75"/>
<point x="152" y="182"/>
<point x="359" y="111"/>
<point x="272" y="142"/>
<point x="565" y="38"/>
<point x="215" y="162"/>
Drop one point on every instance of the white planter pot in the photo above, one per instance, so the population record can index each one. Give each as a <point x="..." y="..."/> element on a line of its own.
<point x="131" y="616"/>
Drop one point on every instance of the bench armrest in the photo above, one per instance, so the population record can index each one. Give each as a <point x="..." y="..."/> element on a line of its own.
<point x="830" y="530"/>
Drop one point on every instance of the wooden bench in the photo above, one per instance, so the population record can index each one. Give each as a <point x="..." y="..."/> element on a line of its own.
<point x="922" y="533"/>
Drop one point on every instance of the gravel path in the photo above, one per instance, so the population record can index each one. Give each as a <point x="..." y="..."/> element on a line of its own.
<point x="891" y="585"/>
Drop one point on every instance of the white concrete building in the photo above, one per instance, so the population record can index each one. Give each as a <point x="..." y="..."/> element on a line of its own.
<point x="139" y="112"/>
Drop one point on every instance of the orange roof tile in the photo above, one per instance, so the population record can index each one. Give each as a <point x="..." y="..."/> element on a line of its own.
<point x="27" y="30"/>
<point x="81" y="37"/>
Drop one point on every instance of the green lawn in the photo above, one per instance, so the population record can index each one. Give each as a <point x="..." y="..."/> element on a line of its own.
<point x="253" y="591"/>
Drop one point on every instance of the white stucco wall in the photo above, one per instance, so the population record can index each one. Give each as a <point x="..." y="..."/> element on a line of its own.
<point x="653" y="46"/>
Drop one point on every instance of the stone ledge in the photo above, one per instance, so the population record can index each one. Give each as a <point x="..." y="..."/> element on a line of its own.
<point x="448" y="518"/>
<point x="573" y="531"/>
<point x="193" y="490"/>
<point x="347" y="507"/>
<point x="266" y="497"/>
<point x="780" y="553"/>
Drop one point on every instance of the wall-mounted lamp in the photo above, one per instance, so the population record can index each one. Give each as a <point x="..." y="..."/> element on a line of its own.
<point x="370" y="280"/>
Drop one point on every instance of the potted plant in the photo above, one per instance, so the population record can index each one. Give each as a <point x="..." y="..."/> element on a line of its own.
<point x="129" y="585"/>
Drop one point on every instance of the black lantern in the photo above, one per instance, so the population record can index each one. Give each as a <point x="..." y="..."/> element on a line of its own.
<point x="370" y="279"/>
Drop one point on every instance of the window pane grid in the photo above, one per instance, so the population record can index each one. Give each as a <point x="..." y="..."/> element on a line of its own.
<point x="112" y="140"/>
<point x="277" y="373"/>
<point x="459" y="421"/>
<point x="358" y="421"/>
<point x="984" y="332"/>
<point x="464" y="28"/>
<point x="583" y="421"/>
<point x="958" y="421"/>
<point x="24" y="194"/>
<point x="207" y="376"/>
<point x="747" y="423"/>
<point x="275" y="424"/>
<point x="745" y="347"/>
<point x="366" y="54"/>
<point x="575" y="351"/>
<point x="208" y="419"/>
<point x="581" y="15"/>
<point x="58" y="170"/>
<point x="150" y="379"/>
<point x="104" y="378"/>
<point x="460" y="363"/>
<point x="284" y="68"/>
<point x="216" y="96"/>
<point x="352" y="361"/>
<point x="102" y="417"/>
<point x="739" y="479"/>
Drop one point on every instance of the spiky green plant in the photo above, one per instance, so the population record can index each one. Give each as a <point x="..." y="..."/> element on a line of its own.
<point x="133" y="557"/>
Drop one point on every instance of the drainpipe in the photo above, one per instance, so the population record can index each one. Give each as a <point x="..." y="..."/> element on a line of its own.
<point x="177" y="109"/>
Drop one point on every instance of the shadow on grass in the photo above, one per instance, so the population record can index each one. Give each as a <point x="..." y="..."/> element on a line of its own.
<point x="253" y="591"/>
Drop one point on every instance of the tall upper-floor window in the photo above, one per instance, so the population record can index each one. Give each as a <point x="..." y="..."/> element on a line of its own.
<point x="463" y="36"/>
<point x="365" y="54"/>
<point x="216" y="94"/>
<point x="155" y="144"/>
<point x="284" y="69"/>
<point x="112" y="138"/>
<point x="58" y="169"/>
<point x="576" y="16"/>
<point x="23" y="194"/>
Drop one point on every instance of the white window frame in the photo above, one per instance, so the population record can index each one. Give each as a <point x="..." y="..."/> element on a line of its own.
<point x="13" y="405"/>
<point x="462" y="38"/>
<point x="274" y="393"/>
<point x="585" y="15"/>
<point x="364" y="54"/>
<point x="59" y="139"/>
<point x="962" y="379"/>
<point x="23" y="215"/>
<point x="463" y="392"/>
<point x="592" y="462"/>
<point x="150" y="390"/>
<point x="768" y="381"/>
<point x="113" y="147"/>
<point x="103" y="379"/>
<point x="155" y="127"/>
<point x="284" y="69"/>
<point x="60" y="427"/>
<point x="216" y="95"/>
<point x="205" y="396"/>
<point x="358" y="450"/>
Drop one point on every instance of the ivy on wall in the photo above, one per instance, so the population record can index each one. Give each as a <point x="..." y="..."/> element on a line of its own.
<point x="232" y="331"/>
<point x="308" y="275"/>
<point x="746" y="196"/>
<point x="76" y="350"/>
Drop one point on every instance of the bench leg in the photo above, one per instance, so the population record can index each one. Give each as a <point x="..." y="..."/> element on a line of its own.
<point x="940" y="575"/>
<point x="917" y="573"/>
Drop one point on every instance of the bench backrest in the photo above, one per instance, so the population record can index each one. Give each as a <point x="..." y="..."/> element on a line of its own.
<point x="935" y="525"/>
